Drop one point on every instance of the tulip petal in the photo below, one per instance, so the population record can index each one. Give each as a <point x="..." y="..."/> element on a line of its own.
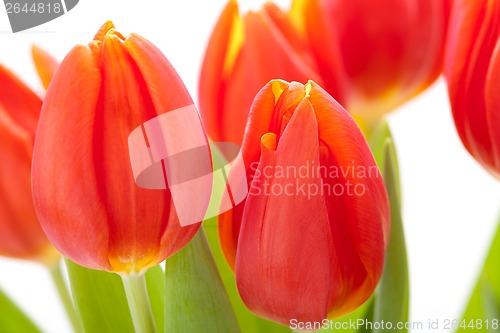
<point x="432" y="19"/>
<point x="493" y="107"/>
<point x="277" y="233"/>
<point x="308" y="17"/>
<point x="361" y="217"/>
<point x="260" y="118"/>
<point x="458" y="49"/>
<point x="18" y="102"/>
<point x="158" y="74"/>
<point x="125" y="104"/>
<point x="229" y="223"/>
<point x="69" y="107"/>
<point x="266" y="54"/>
<point x="222" y="50"/>
<point x="283" y="23"/>
<point x="21" y="236"/>
<point x="474" y="31"/>
<point x="45" y="65"/>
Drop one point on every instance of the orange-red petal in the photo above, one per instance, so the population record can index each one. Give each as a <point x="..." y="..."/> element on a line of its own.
<point x="492" y="107"/>
<point x="215" y="69"/>
<point x="259" y="121"/>
<point x="20" y="233"/>
<point x="158" y="73"/>
<point x="63" y="172"/>
<point x="309" y="18"/>
<point x="472" y="40"/>
<point x="360" y="222"/>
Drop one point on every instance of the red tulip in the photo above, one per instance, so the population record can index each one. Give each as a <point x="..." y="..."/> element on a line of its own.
<point x="472" y="69"/>
<point x="83" y="184"/>
<point x="311" y="236"/>
<point x="243" y="54"/>
<point x="390" y="50"/>
<point x="20" y="233"/>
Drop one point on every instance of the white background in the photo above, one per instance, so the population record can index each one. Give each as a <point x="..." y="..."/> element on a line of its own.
<point x="450" y="203"/>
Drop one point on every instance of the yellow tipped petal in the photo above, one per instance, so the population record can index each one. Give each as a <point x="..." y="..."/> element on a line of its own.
<point x="236" y="39"/>
<point x="46" y="65"/>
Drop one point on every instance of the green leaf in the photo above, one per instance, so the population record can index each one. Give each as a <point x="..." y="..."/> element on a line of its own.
<point x="491" y="302"/>
<point x="378" y="146"/>
<point x="343" y="324"/>
<point x="12" y="319"/>
<point x="155" y="280"/>
<point x="392" y="296"/>
<point x="101" y="301"/>
<point x="196" y="300"/>
<point x="57" y="275"/>
<point x="484" y="304"/>
<point x="368" y="316"/>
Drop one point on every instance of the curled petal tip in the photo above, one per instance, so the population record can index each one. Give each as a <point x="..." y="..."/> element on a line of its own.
<point x="105" y="28"/>
<point x="268" y="141"/>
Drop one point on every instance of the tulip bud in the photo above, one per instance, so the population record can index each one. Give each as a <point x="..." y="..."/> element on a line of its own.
<point x="243" y="54"/>
<point x="311" y="236"/>
<point x="472" y="69"/>
<point x="390" y="50"/>
<point x="83" y="183"/>
<point x="20" y="233"/>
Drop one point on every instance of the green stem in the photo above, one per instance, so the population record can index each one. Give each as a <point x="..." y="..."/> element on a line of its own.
<point x="138" y="302"/>
<point x="62" y="289"/>
<point x="302" y="331"/>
